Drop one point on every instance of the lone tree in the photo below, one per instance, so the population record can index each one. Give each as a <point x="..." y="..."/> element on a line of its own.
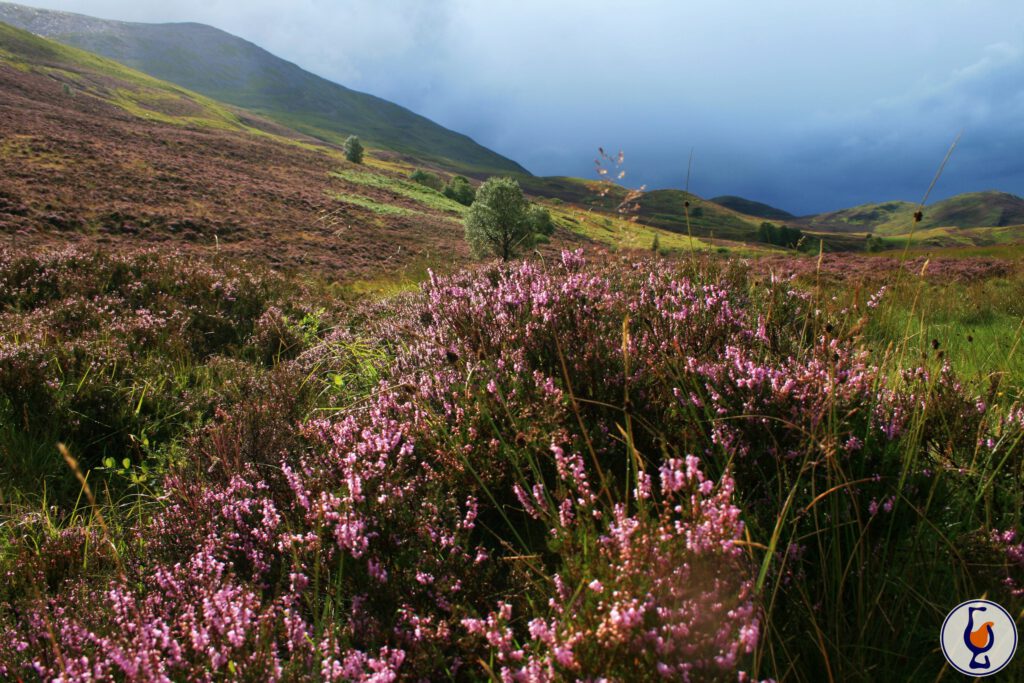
<point x="354" y="149"/>
<point x="499" y="221"/>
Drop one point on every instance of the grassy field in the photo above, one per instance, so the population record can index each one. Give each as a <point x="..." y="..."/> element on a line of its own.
<point x="777" y="467"/>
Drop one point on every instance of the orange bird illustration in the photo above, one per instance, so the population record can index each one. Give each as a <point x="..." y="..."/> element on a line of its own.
<point x="980" y="636"/>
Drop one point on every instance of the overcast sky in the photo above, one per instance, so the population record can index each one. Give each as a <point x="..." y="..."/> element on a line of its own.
<point x="805" y="104"/>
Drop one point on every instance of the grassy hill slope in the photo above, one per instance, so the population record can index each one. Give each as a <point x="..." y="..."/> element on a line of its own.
<point x="219" y="65"/>
<point x="863" y="218"/>
<point x="77" y="71"/>
<point x="93" y="152"/>
<point x="988" y="209"/>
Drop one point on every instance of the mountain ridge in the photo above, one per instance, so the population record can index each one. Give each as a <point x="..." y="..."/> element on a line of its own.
<point x="236" y="71"/>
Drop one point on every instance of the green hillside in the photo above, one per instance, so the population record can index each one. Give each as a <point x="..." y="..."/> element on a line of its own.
<point x="229" y="69"/>
<point x="988" y="209"/>
<point x="976" y="209"/>
<point x="667" y="209"/>
<point x="864" y="218"/>
<point x="573" y="190"/>
<point x="752" y="208"/>
<point x="86" y="74"/>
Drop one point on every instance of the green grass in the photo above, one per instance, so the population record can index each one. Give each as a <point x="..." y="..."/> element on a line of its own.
<point x="667" y="209"/>
<point x="977" y="327"/>
<point x="374" y="206"/>
<point x="420" y="194"/>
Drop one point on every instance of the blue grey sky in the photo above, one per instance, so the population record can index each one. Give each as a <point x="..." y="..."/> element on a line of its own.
<point x="809" y="105"/>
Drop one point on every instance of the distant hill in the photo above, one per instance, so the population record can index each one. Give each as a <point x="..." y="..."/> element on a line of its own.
<point x="752" y="208"/>
<point x="667" y="209"/>
<point x="226" y="68"/>
<point x="863" y="218"/>
<point x="989" y="209"/>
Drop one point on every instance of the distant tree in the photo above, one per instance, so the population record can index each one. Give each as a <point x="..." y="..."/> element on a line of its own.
<point x="499" y="222"/>
<point x="790" y="237"/>
<point x="427" y="179"/>
<point x="353" y="149"/>
<point x="873" y="244"/>
<point x="783" y="236"/>
<point x="459" y="189"/>
<point x="655" y="244"/>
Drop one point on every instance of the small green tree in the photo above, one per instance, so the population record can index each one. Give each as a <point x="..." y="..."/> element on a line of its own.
<point x="498" y="223"/>
<point x="459" y="189"/>
<point x="655" y="244"/>
<point x="354" y="149"/>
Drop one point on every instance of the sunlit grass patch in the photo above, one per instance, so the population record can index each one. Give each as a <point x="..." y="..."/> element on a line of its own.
<point x="403" y="188"/>
<point x="372" y="205"/>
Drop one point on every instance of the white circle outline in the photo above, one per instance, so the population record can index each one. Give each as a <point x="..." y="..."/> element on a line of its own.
<point x="942" y="631"/>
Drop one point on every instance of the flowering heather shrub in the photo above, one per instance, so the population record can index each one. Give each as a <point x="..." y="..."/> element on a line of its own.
<point x="630" y="471"/>
<point x="664" y="594"/>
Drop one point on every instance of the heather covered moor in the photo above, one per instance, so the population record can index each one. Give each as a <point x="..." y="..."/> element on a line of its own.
<point x="596" y="468"/>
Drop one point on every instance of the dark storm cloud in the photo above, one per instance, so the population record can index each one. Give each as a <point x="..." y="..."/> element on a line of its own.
<point x="806" y="104"/>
